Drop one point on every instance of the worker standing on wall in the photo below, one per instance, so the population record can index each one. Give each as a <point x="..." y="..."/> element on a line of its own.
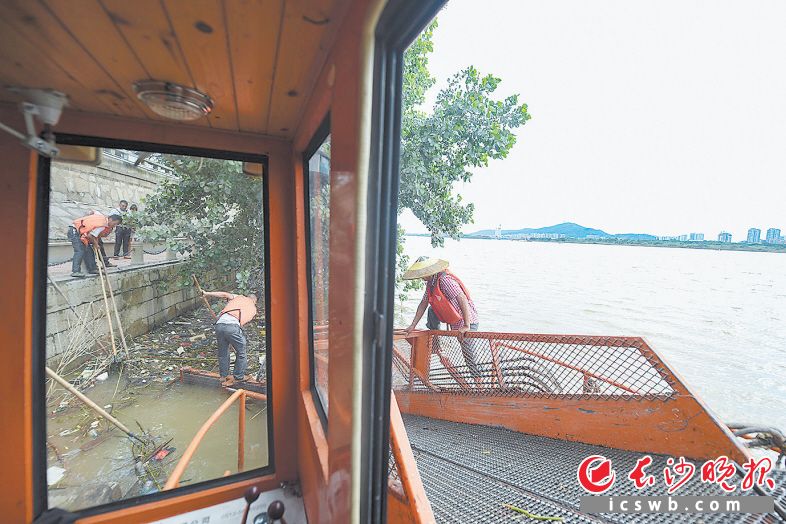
<point x="122" y="233"/>
<point x="86" y="233"/>
<point x="238" y="312"/>
<point x="448" y="301"/>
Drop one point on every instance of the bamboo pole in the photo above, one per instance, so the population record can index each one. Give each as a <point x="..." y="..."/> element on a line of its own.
<point x="92" y="405"/>
<point x="100" y="264"/>
<point x="114" y="306"/>
<point x="207" y="304"/>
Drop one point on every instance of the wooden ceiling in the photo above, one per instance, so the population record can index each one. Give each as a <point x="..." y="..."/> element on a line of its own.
<point x="257" y="59"/>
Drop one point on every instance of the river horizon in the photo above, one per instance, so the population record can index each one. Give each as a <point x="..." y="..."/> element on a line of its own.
<point x="715" y="317"/>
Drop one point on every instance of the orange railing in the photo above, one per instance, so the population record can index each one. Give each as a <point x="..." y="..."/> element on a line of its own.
<point x="529" y="365"/>
<point x="404" y="481"/>
<point x="605" y="390"/>
<point x="239" y="395"/>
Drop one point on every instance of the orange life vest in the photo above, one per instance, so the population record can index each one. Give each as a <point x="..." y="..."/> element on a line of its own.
<point x="242" y="308"/>
<point x="441" y="305"/>
<point x="88" y="223"/>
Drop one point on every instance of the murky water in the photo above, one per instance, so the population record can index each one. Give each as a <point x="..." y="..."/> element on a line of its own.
<point x="717" y="317"/>
<point x="175" y="412"/>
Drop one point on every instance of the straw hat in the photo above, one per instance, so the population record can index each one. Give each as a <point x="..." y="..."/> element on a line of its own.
<point x="425" y="267"/>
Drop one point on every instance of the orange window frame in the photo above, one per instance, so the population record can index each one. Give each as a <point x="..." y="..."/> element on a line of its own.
<point x="320" y="135"/>
<point x="39" y="323"/>
<point x="22" y="199"/>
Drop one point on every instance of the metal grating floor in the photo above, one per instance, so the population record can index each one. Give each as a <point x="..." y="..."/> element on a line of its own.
<point x="469" y="471"/>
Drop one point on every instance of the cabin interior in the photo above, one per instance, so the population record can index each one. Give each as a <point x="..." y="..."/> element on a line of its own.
<point x="284" y="77"/>
<point x="281" y="76"/>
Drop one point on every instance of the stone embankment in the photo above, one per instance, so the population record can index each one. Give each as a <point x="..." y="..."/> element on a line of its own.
<point x="146" y="297"/>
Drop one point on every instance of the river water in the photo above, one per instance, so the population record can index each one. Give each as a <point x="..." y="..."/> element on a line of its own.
<point x="717" y="317"/>
<point x="173" y="412"/>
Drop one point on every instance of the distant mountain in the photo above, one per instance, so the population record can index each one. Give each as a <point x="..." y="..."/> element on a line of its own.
<point x="569" y="229"/>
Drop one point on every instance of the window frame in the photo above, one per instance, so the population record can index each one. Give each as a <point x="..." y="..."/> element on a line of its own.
<point x="399" y="25"/>
<point x="319" y="137"/>
<point x="39" y="325"/>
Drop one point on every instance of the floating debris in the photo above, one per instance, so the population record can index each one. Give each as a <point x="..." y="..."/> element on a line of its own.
<point x="153" y="366"/>
<point x="54" y="474"/>
<point x="162" y="454"/>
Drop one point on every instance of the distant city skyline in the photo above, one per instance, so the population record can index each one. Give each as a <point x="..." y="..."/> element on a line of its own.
<point x="663" y="118"/>
<point x="773" y="235"/>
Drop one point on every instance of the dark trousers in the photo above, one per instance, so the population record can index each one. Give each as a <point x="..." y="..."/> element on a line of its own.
<point x="231" y="334"/>
<point x="122" y="238"/>
<point x="81" y="253"/>
<point x="468" y="345"/>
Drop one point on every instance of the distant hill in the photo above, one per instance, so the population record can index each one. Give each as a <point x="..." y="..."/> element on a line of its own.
<point x="569" y="229"/>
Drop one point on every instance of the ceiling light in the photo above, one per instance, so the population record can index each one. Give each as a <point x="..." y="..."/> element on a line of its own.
<point x="173" y="101"/>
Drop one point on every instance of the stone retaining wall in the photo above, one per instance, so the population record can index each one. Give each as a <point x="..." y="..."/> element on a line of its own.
<point x="102" y="185"/>
<point x="146" y="297"/>
<point x="78" y="189"/>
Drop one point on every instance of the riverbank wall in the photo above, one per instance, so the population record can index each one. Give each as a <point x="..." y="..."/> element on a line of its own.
<point x="146" y="297"/>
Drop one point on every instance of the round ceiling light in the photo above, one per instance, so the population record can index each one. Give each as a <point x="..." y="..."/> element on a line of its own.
<point x="173" y="101"/>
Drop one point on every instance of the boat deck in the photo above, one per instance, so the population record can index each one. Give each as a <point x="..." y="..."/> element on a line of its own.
<point x="469" y="471"/>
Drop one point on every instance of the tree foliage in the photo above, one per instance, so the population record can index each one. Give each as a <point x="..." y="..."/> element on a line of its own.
<point x="213" y="212"/>
<point x="465" y="129"/>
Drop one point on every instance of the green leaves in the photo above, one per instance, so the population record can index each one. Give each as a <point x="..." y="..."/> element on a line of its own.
<point x="213" y="212"/>
<point x="465" y="129"/>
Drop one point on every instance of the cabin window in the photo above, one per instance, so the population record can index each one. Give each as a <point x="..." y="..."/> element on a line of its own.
<point x="318" y="205"/>
<point x="135" y="352"/>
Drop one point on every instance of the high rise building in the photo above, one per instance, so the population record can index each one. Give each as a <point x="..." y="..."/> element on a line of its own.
<point x="754" y="236"/>
<point x="773" y="235"/>
<point x="696" y="237"/>
<point x="724" y="236"/>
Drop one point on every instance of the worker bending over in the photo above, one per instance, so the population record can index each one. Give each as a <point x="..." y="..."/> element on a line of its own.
<point x="229" y="330"/>
<point x="447" y="301"/>
<point x="86" y="233"/>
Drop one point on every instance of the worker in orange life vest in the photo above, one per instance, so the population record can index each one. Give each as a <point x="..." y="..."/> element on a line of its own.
<point x="238" y="312"/>
<point x="448" y="301"/>
<point x="84" y="234"/>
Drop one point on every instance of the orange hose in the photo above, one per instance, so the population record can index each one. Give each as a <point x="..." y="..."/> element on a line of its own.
<point x="174" y="479"/>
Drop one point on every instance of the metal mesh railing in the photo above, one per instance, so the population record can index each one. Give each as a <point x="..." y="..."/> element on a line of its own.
<point x="521" y="365"/>
<point x="394" y="480"/>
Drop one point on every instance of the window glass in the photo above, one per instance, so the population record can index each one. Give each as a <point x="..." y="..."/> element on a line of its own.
<point x="128" y="328"/>
<point x="319" y="241"/>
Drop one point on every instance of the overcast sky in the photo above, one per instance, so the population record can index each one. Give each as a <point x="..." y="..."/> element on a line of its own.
<point x="661" y="117"/>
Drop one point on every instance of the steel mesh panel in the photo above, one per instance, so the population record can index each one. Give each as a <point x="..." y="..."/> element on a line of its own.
<point x="462" y="495"/>
<point x="468" y="461"/>
<point x="392" y="467"/>
<point x="537" y="365"/>
<point x="400" y="365"/>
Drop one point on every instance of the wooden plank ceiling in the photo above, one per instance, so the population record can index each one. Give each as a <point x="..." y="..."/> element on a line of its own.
<point x="257" y="59"/>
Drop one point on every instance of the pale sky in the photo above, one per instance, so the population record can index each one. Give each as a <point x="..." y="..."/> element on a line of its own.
<point x="660" y="117"/>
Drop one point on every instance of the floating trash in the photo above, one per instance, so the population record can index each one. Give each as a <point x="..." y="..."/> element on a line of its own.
<point x="54" y="474"/>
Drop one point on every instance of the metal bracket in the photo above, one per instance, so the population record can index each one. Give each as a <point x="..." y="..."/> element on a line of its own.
<point x="44" y="144"/>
